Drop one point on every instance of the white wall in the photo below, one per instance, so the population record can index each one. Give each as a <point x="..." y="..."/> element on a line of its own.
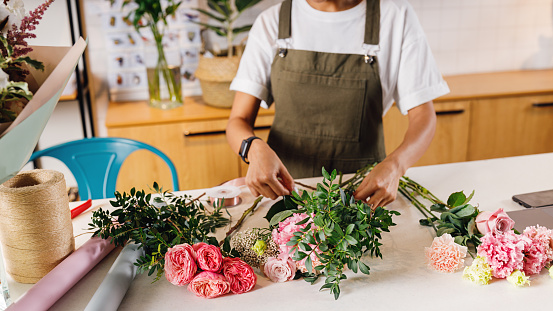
<point x="471" y="36"/>
<point x="466" y="36"/>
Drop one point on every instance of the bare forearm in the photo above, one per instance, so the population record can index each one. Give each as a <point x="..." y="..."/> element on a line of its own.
<point x="419" y="134"/>
<point x="241" y="120"/>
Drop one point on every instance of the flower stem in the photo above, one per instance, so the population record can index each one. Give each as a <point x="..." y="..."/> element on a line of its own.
<point x="239" y="222"/>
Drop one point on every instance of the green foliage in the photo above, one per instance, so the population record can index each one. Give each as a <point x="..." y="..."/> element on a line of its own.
<point x="149" y="12"/>
<point x="181" y="219"/>
<point x="456" y="217"/>
<point x="223" y="15"/>
<point x="14" y="91"/>
<point x="342" y="228"/>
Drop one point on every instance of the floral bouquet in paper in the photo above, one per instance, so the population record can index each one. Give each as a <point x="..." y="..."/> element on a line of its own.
<point x="15" y="28"/>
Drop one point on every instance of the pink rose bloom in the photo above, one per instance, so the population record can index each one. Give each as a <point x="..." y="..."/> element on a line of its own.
<point x="280" y="269"/>
<point x="286" y="230"/>
<point x="537" y="252"/>
<point x="209" y="258"/>
<point x="209" y="285"/>
<point x="503" y="252"/>
<point x="239" y="274"/>
<point x="497" y="221"/>
<point x="180" y="266"/>
<point x="196" y="247"/>
<point x="445" y="255"/>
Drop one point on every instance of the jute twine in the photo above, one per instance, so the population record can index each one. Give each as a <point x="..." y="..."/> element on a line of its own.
<point x="215" y="75"/>
<point x="35" y="224"/>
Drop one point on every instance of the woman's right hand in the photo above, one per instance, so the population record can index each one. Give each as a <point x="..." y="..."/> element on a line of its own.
<point x="267" y="176"/>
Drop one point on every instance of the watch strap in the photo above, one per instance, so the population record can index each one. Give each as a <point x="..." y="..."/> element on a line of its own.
<point x="245" y="148"/>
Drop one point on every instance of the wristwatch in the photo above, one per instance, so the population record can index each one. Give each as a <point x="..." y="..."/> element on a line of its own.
<point x="245" y="147"/>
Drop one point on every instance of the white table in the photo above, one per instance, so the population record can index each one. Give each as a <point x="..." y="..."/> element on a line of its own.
<point x="401" y="281"/>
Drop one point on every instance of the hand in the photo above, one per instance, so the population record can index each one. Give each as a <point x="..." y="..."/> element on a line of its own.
<point x="266" y="175"/>
<point x="379" y="188"/>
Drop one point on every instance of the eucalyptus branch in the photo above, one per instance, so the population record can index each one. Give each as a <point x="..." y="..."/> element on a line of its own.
<point x="244" y="215"/>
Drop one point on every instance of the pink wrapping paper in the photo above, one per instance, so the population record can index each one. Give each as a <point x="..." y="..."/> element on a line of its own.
<point x="63" y="277"/>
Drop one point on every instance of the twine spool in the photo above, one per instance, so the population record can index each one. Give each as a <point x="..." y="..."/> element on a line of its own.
<point x="35" y="224"/>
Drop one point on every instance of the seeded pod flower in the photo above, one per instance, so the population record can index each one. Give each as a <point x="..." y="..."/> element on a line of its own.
<point x="255" y="246"/>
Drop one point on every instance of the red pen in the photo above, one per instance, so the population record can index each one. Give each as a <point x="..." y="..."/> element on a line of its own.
<point x="81" y="208"/>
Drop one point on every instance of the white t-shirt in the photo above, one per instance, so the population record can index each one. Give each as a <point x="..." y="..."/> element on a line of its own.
<point x="408" y="71"/>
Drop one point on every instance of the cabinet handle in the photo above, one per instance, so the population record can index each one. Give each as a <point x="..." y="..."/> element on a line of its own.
<point x="447" y="112"/>
<point x="541" y="105"/>
<point x="189" y="134"/>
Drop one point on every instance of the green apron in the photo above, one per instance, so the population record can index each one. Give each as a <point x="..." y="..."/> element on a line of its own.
<point x="328" y="107"/>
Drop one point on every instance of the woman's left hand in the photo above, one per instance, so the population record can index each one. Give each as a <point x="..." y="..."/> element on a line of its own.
<point x="379" y="188"/>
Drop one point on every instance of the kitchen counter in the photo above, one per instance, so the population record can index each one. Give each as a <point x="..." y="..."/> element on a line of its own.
<point x="401" y="281"/>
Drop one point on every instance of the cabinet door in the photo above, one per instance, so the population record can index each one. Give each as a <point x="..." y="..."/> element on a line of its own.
<point x="511" y="126"/>
<point x="452" y="131"/>
<point x="199" y="151"/>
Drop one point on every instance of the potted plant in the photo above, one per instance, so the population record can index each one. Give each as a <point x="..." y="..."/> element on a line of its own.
<point x="215" y="73"/>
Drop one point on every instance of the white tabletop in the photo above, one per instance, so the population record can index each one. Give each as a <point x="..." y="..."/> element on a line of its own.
<point x="400" y="281"/>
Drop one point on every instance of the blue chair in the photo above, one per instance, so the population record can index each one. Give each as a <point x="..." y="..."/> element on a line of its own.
<point x="95" y="162"/>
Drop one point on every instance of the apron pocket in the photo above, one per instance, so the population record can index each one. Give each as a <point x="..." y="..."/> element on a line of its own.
<point x="319" y="106"/>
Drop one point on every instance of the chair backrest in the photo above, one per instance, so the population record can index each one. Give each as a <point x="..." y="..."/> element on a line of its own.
<point x="95" y="162"/>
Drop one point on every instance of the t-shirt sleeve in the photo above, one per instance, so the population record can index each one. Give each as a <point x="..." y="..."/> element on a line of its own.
<point x="253" y="76"/>
<point x="419" y="79"/>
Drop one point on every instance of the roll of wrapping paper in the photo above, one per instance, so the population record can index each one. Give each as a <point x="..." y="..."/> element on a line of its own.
<point x="118" y="280"/>
<point x="63" y="277"/>
<point x="224" y="195"/>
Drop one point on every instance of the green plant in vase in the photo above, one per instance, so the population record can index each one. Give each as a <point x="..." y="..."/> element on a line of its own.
<point x="164" y="83"/>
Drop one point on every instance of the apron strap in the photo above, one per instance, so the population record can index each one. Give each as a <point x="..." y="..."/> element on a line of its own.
<point x="285" y="20"/>
<point x="372" y="22"/>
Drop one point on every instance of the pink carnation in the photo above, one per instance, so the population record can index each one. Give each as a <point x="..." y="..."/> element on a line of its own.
<point x="285" y="231"/>
<point x="209" y="258"/>
<point x="209" y="285"/>
<point x="503" y="252"/>
<point x="445" y="255"/>
<point x="280" y="269"/>
<point x="538" y="252"/>
<point x="180" y="266"/>
<point x="239" y="274"/>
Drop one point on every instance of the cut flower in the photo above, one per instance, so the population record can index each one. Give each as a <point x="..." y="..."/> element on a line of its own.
<point x="478" y="272"/>
<point x="519" y="279"/>
<point x="445" y="255"/>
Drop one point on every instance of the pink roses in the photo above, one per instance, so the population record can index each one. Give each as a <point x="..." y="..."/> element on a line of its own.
<point x="209" y="285"/>
<point x="497" y="221"/>
<point x="180" y="266"/>
<point x="280" y="270"/>
<point x="239" y="274"/>
<point x="219" y="276"/>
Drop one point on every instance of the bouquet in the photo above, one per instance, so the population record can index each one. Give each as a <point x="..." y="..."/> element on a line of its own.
<point x="320" y="234"/>
<point x="15" y="29"/>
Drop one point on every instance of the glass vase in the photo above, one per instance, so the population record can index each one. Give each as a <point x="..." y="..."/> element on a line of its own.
<point x="163" y="71"/>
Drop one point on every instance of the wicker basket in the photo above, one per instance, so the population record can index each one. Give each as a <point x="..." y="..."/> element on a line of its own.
<point x="215" y="75"/>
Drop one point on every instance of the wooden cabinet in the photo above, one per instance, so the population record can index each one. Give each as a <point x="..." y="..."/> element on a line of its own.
<point x="511" y="126"/>
<point x="450" y="142"/>
<point x="485" y="116"/>
<point x="192" y="136"/>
